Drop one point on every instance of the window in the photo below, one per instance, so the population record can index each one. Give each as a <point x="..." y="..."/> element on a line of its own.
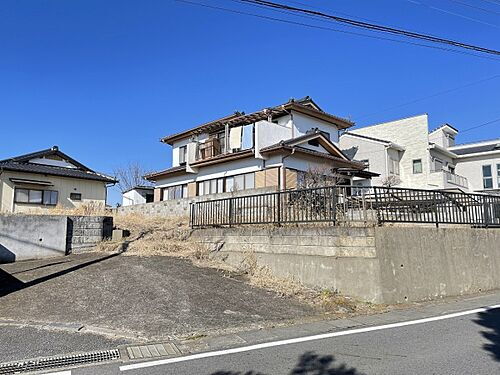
<point x="366" y="162"/>
<point x="239" y="182"/>
<point x="250" y="181"/>
<point x="438" y="165"/>
<point x="35" y="196"/>
<point x="498" y="175"/>
<point x="50" y="197"/>
<point x="75" y="196"/>
<point x="487" y="177"/>
<point x="45" y="197"/>
<point x="417" y="166"/>
<point x="175" y="192"/>
<point x="393" y="166"/>
<point x="230" y="184"/>
<point x="182" y="155"/>
<point x="21" y="196"/>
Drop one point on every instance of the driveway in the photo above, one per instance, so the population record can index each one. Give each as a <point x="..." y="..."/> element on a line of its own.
<point x="147" y="298"/>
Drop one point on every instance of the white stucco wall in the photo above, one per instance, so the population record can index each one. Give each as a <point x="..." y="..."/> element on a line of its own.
<point x="135" y="197"/>
<point x="303" y="123"/>
<point x="268" y="133"/>
<point x="472" y="168"/>
<point x="412" y="134"/>
<point x="373" y="151"/>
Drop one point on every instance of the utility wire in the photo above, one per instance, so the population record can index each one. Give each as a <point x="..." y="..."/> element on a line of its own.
<point x="452" y="13"/>
<point x="431" y="96"/>
<point x="474" y="7"/>
<point x="376" y="27"/>
<point x="332" y="29"/>
<point x="480" y="126"/>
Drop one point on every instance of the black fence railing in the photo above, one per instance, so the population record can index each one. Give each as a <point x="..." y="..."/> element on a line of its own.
<point x="340" y="204"/>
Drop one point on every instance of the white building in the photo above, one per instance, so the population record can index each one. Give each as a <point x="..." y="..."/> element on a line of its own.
<point x="417" y="158"/>
<point x="138" y="195"/>
<point x="270" y="148"/>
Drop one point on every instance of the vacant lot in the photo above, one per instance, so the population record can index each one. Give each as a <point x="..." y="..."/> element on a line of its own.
<point x="150" y="297"/>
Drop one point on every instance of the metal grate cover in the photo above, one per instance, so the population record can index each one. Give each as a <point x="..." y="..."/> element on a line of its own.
<point x="59" y="361"/>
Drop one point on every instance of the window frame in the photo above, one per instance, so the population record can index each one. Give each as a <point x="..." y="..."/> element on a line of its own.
<point x="183" y="155"/>
<point x="487" y="178"/>
<point x="416" y="162"/>
<point x="77" y="197"/>
<point x="42" y="199"/>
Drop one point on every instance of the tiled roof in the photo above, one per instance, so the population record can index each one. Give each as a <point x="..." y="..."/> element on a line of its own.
<point x="21" y="164"/>
<point x="54" y="171"/>
<point x="305" y="105"/>
<point x="151" y="176"/>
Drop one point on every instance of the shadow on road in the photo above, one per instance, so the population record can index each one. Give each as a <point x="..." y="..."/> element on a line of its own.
<point x="491" y="320"/>
<point x="10" y="284"/>
<point x="309" y="364"/>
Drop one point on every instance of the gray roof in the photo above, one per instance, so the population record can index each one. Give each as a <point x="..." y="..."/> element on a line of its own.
<point x="474" y="149"/>
<point x="21" y="164"/>
<point x="366" y="137"/>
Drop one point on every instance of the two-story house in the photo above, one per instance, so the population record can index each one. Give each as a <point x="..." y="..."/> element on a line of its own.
<point x="271" y="148"/>
<point x="417" y="158"/>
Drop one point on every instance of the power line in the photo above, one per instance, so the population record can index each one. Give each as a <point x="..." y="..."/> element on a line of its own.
<point x="376" y="27"/>
<point x="431" y="96"/>
<point x="480" y="126"/>
<point x="332" y="29"/>
<point x="475" y="7"/>
<point x="452" y="13"/>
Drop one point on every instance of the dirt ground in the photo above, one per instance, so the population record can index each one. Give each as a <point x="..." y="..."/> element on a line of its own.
<point x="148" y="297"/>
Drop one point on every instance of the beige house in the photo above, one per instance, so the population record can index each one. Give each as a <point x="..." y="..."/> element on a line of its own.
<point x="46" y="179"/>
<point x="273" y="148"/>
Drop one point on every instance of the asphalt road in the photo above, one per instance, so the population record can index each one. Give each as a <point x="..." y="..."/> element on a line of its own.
<point x="468" y="344"/>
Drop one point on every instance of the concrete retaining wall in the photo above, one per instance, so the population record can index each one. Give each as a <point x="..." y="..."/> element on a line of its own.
<point x="43" y="236"/>
<point x="383" y="264"/>
<point x="180" y="207"/>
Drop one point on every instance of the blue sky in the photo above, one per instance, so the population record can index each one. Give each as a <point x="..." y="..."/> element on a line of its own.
<point x="105" y="80"/>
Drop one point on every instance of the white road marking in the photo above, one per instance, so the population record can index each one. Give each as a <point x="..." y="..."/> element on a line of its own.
<point x="303" y="339"/>
<point x="59" y="373"/>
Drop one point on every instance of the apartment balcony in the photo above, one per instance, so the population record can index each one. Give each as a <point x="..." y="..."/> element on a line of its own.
<point x="455" y="179"/>
<point x="448" y="180"/>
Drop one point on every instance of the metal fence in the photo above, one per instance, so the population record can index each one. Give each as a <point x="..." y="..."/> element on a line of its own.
<point x="340" y="204"/>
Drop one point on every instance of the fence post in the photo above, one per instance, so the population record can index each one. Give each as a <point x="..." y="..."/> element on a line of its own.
<point x="278" y="194"/>
<point x="436" y="216"/>
<point x="191" y="214"/>
<point x="379" y="215"/>
<point x="230" y="212"/>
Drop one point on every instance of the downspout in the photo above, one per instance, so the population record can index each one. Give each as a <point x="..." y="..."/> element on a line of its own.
<point x="283" y="177"/>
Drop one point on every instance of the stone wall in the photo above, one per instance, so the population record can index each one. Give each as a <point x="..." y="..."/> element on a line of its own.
<point x="382" y="264"/>
<point x="180" y="207"/>
<point x="44" y="236"/>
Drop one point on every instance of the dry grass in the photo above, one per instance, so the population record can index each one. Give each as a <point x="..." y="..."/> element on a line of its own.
<point x="90" y="208"/>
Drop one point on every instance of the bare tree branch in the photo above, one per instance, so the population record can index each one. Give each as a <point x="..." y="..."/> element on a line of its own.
<point x="130" y="176"/>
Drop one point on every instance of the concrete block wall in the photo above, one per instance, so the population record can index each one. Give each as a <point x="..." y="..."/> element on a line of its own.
<point x="181" y="207"/>
<point x="25" y="237"/>
<point x="381" y="264"/>
<point x="84" y="232"/>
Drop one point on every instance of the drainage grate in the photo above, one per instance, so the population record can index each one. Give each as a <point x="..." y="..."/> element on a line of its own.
<point x="60" y="361"/>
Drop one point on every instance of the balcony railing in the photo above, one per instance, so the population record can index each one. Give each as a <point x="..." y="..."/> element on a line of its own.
<point x="456" y="179"/>
<point x="208" y="149"/>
